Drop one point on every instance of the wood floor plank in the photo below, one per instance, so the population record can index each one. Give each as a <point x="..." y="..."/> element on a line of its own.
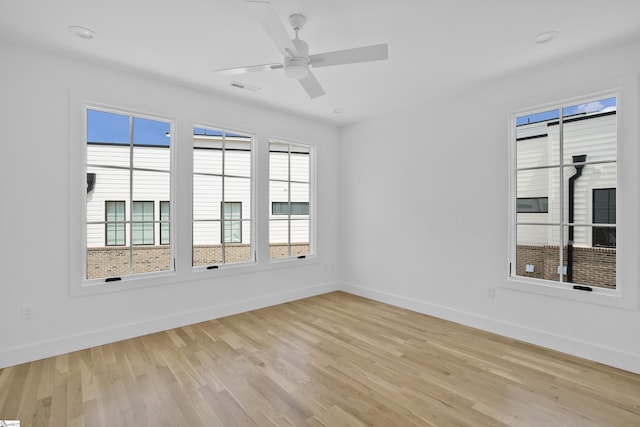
<point x="331" y="360"/>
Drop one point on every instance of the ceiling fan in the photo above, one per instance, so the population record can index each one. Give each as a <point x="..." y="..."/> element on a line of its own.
<point x="296" y="52"/>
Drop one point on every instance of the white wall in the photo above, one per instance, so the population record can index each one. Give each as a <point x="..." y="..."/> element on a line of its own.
<point x="39" y="135"/>
<point x="447" y="243"/>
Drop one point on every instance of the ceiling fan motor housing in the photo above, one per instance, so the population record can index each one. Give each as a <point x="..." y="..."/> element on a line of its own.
<point x="298" y="67"/>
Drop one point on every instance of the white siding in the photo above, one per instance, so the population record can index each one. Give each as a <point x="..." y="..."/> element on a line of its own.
<point x="595" y="137"/>
<point x="110" y="163"/>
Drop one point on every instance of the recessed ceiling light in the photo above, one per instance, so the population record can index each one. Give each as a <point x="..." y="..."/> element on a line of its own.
<point x="83" y="32"/>
<point x="545" y="37"/>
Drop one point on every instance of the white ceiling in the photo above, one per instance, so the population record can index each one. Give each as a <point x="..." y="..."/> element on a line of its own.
<point x="434" y="46"/>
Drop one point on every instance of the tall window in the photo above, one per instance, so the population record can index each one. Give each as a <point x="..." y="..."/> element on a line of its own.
<point x="565" y="175"/>
<point x="129" y="160"/>
<point x="115" y="225"/>
<point x="143" y="224"/>
<point x="290" y="197"/>
<point x="222" y="196"/>
<point x="604" y="212"/>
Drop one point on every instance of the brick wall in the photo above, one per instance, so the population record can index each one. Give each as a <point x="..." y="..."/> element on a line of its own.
<point x="115" y="261"/>
<point x="591" y="266"/>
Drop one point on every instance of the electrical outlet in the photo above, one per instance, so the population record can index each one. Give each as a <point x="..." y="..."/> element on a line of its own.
<point x="491" y="293"/>
<point x="27" y="312"/>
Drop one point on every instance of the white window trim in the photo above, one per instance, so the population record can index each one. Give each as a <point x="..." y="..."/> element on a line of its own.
<point x="312" y="199"/>
<point x="181" y="221"/>
<point x="626" y="293"/>
<point x="80" y="286"/>
<point x="253" y="262"/>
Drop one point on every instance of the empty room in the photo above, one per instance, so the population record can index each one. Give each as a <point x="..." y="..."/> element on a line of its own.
<point x="320" y="213"/>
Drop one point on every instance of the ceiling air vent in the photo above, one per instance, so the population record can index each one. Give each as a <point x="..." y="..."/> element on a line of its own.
<point x="245" y="86"/>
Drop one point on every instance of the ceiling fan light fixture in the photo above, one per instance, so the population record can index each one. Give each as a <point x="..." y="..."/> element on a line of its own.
<point x="296" y="68"/>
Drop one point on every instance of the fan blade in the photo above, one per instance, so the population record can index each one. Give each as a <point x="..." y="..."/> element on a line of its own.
<point x="376" y="52"/>
<point x="249" y="69"/>
<point x="266" y="14"/>
<point x="312" y="86"/>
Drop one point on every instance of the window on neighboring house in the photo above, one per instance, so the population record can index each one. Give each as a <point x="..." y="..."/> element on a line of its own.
<point x="222" y="197"/>
<point x="130" y="157"/>
<point x="114" y="223"/>
<point x="290" y="197"/>
<point x="295" y="208"/>
<point x="532" y="205"/>
<point x="165" y="223"/>
<point x="567" y="153"/>
<point x="604" y="212"/>
<point x="232" y="222"/>
<point x="143" y="223"/>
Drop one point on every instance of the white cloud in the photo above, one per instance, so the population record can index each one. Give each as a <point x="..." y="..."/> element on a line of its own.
<point x="590" y="107"/>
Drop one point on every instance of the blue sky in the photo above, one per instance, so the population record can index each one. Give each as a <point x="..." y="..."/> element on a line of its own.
<point x="608" y="104"/>
<point x="112" y="128"/>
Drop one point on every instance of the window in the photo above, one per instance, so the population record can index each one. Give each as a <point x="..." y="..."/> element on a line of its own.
<point x="165" y="223"/>
<point x="222" y="196"/>
<point x="232" y="222"/>
<point x="565" y="176"/>
<point x="142" y="226"/>
<point x="295" y="208"/>
<point x="114" y="226"/>
<point x="604" y="212"/>
<point x="289" y="195"/>
<point x="532" y="205"/>
<point x="128" y="158"/>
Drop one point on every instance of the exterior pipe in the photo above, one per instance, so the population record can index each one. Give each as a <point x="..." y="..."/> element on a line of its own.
<point x="572" y="183"/>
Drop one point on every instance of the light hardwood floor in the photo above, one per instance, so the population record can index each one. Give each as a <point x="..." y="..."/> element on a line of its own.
<point x="330" y="360"/>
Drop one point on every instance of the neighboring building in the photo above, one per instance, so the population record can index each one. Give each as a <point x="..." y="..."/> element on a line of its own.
<point x="217" y="221"/>
<point x="588" y="197"/>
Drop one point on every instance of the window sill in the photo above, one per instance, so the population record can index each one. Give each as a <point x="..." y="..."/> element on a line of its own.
<point x="600" y="296"/>
<point x="99" y="286"/>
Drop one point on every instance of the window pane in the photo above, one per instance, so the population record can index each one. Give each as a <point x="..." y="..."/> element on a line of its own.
<point x="589" y="178"/>
<point x="206" y="243"/>
<point x="590" y="129"/>
<point x="207" y="194"/>
<point x="589" y="265"/>
<point x="150" y="132"/>
<point x="536" y="197"/>
<point x="533" y="146"/>
<point x="537" y="252"/>
<point x="237" y="160"/>
<point x="106" y="127"/>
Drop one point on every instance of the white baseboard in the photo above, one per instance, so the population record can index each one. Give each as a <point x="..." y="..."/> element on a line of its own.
<point x="597" y="353"/>
<point x="61" y="345"/>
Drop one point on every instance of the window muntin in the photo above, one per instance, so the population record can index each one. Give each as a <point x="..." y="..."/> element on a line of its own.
<point x="290" y="197"/>
<point x="129" y="157"/>
<point x="563" y="155"/>
<point x="222" y="197"/>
